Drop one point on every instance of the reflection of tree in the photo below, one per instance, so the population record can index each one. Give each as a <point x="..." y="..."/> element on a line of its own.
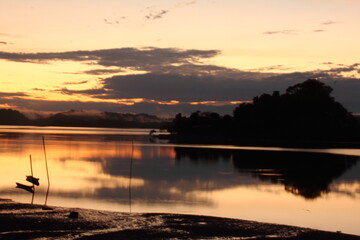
<point x="202" y="154"/>
<point x="302" y="173"/>
<point x="305" y="174"/>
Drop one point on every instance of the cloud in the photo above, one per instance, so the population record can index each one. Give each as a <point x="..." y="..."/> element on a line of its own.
<point x="153" y="15"/>
<point x="75" y="83"/>
<point x="10" y="35"/>
<point x="12" y="94"/>
<point x="239" y="86"/>
<point x="330" y="22"/>
<point x="158" y="14"/>
<point x="142" y="59"/>
<point x="101" y="71"/>
<point x="272" y="68"/>
<point x="286" y="32"/>
<point x="186" y="3"/>
<point x="319" y="30"/>
<point x="168" y="94"/>
<point x="166" y="87"/>
<point x="38" y="89"/>
<point x="5" y="43"/>
<point x="142" y="107"/>
<point x="174" y="80"/>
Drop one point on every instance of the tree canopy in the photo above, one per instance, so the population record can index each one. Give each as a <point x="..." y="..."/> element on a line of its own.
<point x="305" y="111"/>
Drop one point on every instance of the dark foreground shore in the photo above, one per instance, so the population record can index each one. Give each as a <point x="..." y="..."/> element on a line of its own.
<point x="25" y="221"/>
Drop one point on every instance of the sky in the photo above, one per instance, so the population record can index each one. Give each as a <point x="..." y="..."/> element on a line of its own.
<point x="168" y="56"/>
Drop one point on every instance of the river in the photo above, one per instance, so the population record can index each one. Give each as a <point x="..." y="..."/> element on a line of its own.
<point x="127" y="171"/>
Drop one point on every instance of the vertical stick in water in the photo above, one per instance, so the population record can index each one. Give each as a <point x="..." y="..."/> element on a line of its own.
<point x="130" y="177"/>
<point x="47" y="172"/>
<point x="32" y="175"/>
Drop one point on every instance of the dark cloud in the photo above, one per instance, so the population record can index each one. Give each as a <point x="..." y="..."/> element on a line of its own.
<point x="286" y="32"/>
<point x="157" y="91"/>
<point x="175" y="75"/>
<point x="319" y="30"/>
<point x="5" y="43"/>
<point x="98" y="93"/>
<point x="102" y="71"/>
<point x="192" y="88"/>
<point x="12" y="94"/>
<point x="219" y="86"/>
<point x="39" y="89"/>
<point x="143" y="59"/>
<point x="166" y="87"/>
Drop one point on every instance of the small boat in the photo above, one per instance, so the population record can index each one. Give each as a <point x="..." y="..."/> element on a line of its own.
<point x="25" y="187"/>
<point x="33" y="180"/>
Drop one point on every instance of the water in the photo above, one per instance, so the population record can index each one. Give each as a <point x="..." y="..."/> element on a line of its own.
<point x="123" y="170"/>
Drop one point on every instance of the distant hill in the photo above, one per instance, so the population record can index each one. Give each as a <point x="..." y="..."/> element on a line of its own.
<point x="74" y="118"/>
<point x="12" y="117"/>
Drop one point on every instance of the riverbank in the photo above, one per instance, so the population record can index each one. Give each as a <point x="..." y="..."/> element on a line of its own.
<point x="260" y="142"/>
<point x="25" y="221"/>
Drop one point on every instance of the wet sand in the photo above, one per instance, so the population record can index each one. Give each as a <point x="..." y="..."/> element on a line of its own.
<point x="25" y="221"/>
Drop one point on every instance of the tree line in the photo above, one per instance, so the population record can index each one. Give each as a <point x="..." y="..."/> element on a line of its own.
<point x="305" y="111"/>
<point x="74" y="118"/>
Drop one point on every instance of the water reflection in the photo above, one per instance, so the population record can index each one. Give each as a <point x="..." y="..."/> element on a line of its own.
<point x="92" y="170"/>
<point x="302" y="173"/>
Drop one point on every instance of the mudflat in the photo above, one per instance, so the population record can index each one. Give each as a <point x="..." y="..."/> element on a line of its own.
<point x="26" y="221"/>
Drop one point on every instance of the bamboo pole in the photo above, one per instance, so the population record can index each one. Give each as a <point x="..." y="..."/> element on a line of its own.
<point x="130" y="175"/>
<point x="32" y="175"/>
<point x="47" y="171"/>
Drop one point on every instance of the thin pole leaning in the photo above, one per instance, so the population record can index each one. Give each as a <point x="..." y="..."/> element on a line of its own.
<point x="47" y="171"/>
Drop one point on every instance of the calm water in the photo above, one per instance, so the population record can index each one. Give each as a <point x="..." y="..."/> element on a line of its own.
<point x="124" y="170"/>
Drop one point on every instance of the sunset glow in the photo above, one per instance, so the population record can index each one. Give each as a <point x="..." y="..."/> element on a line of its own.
<point x="162" y="57"/>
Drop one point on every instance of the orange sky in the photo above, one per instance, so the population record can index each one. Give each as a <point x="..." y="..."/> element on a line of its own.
<point x="248" y="38"/>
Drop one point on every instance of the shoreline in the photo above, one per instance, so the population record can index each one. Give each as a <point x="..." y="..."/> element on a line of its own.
<point x="261" y="142"/>
<point x="26" y="221"/>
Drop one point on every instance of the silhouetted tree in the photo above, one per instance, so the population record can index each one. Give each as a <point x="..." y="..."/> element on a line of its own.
<point x="305" y="111"/>
<point x="200" y="123"/>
